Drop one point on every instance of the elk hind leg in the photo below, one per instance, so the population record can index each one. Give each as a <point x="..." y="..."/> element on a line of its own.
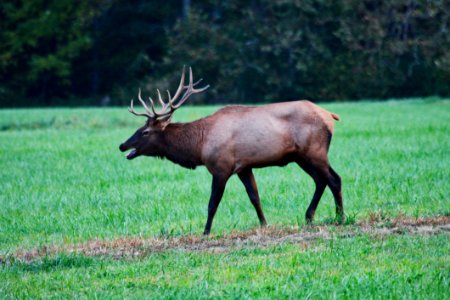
<point x="335" y="185"/>
<point x="320" y="180"/>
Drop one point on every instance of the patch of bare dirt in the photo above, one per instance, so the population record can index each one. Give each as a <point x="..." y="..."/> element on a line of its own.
<point x="135" y="247"/>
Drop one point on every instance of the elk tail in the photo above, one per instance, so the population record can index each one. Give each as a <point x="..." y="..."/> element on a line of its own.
<point x="335" y="116"/>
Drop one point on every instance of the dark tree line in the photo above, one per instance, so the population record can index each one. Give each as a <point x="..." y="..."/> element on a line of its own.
<point x="99" y="52"/>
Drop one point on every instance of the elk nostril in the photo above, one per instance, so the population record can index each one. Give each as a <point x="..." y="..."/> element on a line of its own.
<point x="122" y="147"/>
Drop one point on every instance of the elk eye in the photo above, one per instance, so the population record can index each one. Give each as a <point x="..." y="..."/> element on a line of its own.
<point x="146" y="132"/>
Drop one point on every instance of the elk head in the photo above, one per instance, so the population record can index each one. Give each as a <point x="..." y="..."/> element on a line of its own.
<point x="147" y="139"/>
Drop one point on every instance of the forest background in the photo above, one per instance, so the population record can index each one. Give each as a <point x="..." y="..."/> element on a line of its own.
<point x="100" y="52"/>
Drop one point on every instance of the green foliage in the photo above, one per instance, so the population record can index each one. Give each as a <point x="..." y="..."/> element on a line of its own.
<point x="40" y="40"/>
<point x="129" y="41"/>
<point x="249" y="51"/>
<point x="317" y="49"/>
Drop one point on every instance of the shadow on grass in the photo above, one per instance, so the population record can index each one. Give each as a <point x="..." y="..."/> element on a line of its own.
<point x="349" y="220"/>
<point x="49" y="263"/>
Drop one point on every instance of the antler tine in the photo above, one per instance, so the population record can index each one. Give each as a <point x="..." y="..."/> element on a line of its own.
<point x="163" y="110"/>
<point x="180" y="88"/>
<point x="194" y="84"/>
<point x="168" y="108"/>
<point x="189" y="90"/>
<point x="153" y="106"/>
<point x="160" y="99"/>
<point x="143" y="103"/>
<point x="191" y="77"/>
<point x="202" y="89"/>
<point x="197" y="82"/>
<point x="149" y="114"/>
<point x="131" y="110"/>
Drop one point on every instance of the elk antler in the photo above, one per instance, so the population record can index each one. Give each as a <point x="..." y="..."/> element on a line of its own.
<point x="173" y="104"/>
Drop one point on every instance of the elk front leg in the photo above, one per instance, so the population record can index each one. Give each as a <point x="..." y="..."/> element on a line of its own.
<point x="247" y="178"/>
<point x="217" y="189"/>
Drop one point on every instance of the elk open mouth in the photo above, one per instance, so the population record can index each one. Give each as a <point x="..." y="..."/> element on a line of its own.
<point x="132" y="154"/>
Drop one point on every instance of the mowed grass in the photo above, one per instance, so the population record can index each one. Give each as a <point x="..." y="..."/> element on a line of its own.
<point x="63" y="180"/>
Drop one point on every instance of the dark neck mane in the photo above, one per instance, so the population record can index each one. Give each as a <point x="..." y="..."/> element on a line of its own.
<point x="183" y="143"/>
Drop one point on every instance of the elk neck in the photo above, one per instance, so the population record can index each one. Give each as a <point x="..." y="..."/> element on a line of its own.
<point x="183" y="143"/>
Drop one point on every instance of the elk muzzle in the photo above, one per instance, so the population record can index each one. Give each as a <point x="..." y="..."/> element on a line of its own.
<point x="132" y="154"/>
<point x="123" y="147"/>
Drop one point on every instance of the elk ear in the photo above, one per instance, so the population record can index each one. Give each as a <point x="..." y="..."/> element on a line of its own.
<point x="162" y="122"/>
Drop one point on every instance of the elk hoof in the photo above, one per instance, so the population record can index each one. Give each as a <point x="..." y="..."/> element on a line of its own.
<point x="206" y="232"/>
<point x="309" y="217"/>
<point x="340" y="218"/>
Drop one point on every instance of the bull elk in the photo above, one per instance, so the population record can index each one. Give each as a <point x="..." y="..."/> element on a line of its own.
<point x="238" y="138"/>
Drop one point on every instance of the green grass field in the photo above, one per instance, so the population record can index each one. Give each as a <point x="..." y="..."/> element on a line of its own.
<point x="64" y="181"/>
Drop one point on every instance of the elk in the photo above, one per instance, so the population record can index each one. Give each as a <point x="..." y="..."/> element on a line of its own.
<point x="238" y="138"/>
